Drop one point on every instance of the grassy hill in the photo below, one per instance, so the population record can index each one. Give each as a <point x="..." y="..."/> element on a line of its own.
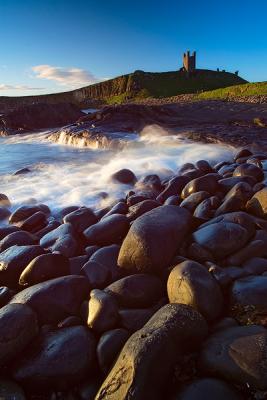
<point x="244" y="90"/>
<point x="133" y="86"/>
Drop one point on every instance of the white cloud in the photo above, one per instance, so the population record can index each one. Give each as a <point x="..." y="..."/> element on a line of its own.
<point x="4" y="86"/>
<point x="72" y="77"/>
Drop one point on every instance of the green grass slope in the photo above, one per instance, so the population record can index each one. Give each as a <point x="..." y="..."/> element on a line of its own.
<point x="248" y="89"/>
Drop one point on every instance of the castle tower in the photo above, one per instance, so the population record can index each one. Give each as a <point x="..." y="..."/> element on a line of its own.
<point x="189" y="61"/>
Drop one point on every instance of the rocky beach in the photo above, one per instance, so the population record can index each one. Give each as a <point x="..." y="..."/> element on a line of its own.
<point x="133" y="251"/>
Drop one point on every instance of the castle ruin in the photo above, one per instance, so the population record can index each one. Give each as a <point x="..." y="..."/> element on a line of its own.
<point x="189" y="61"/>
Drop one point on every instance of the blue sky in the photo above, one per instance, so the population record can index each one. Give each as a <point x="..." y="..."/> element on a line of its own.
<point x="49" y="46"/>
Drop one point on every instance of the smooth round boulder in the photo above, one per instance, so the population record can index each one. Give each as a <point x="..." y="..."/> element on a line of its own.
<point x="4" y="213"/>
<point x="207" y="183"/>
<point x="22" y="213"/>
<point x="136" y="291"/>
<point x="250" y="291"/>
<point x="238" y="355"/>
<point x="51" y="237"/>
<point x="125" y="176"/>
<point x="81" y="219"/>
<point x="34" y="223"/>
<point x="102" y="311"/>
<point x="153" y="239"/>
<point x="193" y="200"/>
<point x="20" y="238"/>
<point x="6" y="230"/>
<point x="67" y="245"/>
<point x="4" y="200"/>
<point x="18" y="326"/>
<point x="109" y="230"/>
<point x="56" y="299"/>
<point x="236" y="199"/>
<point x="5" y="295"/>
<point x="57" y="360"/>
<point x="97" y="274"/>
<point x="222" y="238"/>
<point x="190" y="283"/>
<point x="44" y="267"/>
<point x="249" y="170"/>
<point x="14" y="260"/>
<point x="174" y="187"/>
<point x="141" y="208"/>
<point x="214" y="388"/>
<point x="108" y="256"/>
<point x="257" y="205"/>
<point x="161" y="341"/>
<point x="109" y="346"/>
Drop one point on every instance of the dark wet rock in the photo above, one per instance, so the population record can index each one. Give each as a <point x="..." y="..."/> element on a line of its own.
<point x="43" y="268"/>
<point x="51" y="226"/>
<point x="125" y="176"/>
<point x="10" y="390"/>
<point x="223" y="278"/>
<point x="149" y="183"/>
<point x="227" y="169"/>
<point x="4" y="200"/>
<point x="136" y="291"/>
<point x="102" y="311"/>
<point x="87" y="390"/>
<point x="22" y="171"/>
<point x="133" y="319"/>
<point x="76" y="264"/>
<point x="141" y="208"/>
<point x="55" y="299"/>
<point x="98" y="275"/>
<point x="193" y="174"/>
<point x="51" y="237"/>
<point x="90" y="250"/>
<point x="4" y="213"/>
<point x="206" y="209"/>
<point x="222" y="238"/>
<point x="257" y="205"/>
<point x="159" y="342"/>
<point x="109" y="346"/>
<point x="199" y="253"/>
<point x="20" y="238"/>
<point x="235" y="199"/>
<point x="22" y="213"/>
<point x="250" y="291"/>
<point x="5" y="295"/>
<point x="242" y="153"/>
<point x="204" y="166"/>
<point x="65" y="211"/>
<point x="57" y="360"/>
<point x="207" y="183"/>
<point x="109" y="230"/>
<point x="18" y="326"/>
<point x="41" y="115"/>
<point x="108" y="257"/>
<point x="190" y="283"/>
<point x="249" y="170"/>
<point x="6" y="230"/>
<point x="66" y="245"/>
<point x="14" y="260"/>
<point x="255" y="265"/>
<point x="69" y="321"/>
<point x="119" y="208"/>
<point x="154" y="238"/>
<point x="172" y="201"/>
<point x="252" y="249"/>
<point x="80" y="219"/>
<point x="174" y="187"/>
<point x="234" y="273"/>
<point x="238" y="355"/>
<point x="34" y="223"/>
<point x="214" y="388"/>
<point x="224" y="323"/>
<point x="227" y="184"/>
<point x="193" y="200"/>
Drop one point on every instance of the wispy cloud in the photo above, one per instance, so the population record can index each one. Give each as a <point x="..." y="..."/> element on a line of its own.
<point x="4" y="86"/>
<point x="72" y="77"/>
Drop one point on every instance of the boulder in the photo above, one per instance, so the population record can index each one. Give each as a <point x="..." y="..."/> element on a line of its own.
<point x="109" y="230"/>
<point x="154" y="238"/>
<point x="235" y="199"/>
<point x="43" y="268"/>
<point x="18" y="326"/>
<point x="193" y="200"/>
<point x="174" y="187"/>
<point x="10" y="390"/>
<point x="22" y="213"/>
<point x="55" y="299"/>
<point x="215" y="388"/>
<point x="136" y="374"/>
<point x="67" y="245"/>
<point x="125" y="176"/>
<point x="207" y="183"/>
<point x="80" y="219"/>
<point x="249" y="170"/>
<point x="190" y="283"/>
<point x="257" y="205"/>
<point x="102" y="311"/>
<point x="20" y="238"/>
<point x="4" y="200"/>
<point x="4" y="213"/>
<point x="250" y="291"/>
<point x="14" y="260"/>
<point x="136" y="291"/>
<point x="51" y="237"/>
<point x="238" y="355"/>
<point x="109" y="346"/>
<point x="57" y="360"/>
<point x="108" y="256"/>
<point x="97" y="274"/>
<point x="34" y="223"/>
<point x="6" y="230"/>
<point x="141" y="208"/>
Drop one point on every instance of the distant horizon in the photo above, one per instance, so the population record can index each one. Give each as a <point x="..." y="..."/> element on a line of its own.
<point x="59" y="46"/>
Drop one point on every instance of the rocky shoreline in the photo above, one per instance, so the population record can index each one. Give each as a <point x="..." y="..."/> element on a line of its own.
<point x="162" y="295"/>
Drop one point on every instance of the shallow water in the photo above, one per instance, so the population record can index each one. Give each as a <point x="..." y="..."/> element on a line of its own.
<point x="66" y="175"/>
